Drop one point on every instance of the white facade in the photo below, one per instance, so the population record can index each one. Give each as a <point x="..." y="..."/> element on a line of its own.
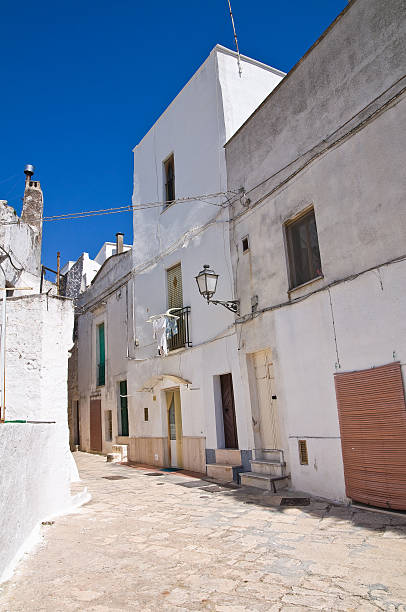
<point x="36" y="464"/>
<point x="343" y="155"/>
<point x="133" y="287"/>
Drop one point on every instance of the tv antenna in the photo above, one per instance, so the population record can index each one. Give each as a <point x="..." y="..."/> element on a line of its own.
<point x="236" y="41"/>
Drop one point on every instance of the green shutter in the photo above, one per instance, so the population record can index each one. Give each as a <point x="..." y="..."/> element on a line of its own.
<point x="102" y="357"/>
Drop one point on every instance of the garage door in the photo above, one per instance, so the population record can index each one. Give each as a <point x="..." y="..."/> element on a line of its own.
<point x="372" y="414"/>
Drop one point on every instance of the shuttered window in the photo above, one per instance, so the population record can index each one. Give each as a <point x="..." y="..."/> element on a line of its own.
<point x="174" y="280"/>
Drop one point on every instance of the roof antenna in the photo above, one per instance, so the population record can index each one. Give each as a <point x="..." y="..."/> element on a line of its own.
<point x="236" y="41"/>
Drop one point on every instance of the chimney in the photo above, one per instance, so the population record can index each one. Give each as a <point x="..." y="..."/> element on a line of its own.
<point x="33" y="201"/>
<point x="119" y="243"/>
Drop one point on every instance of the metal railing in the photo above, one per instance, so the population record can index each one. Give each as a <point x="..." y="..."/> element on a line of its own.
<point x="182" y="337"/>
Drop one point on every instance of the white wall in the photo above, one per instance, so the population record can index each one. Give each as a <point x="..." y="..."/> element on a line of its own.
<point x="36" y="463"/>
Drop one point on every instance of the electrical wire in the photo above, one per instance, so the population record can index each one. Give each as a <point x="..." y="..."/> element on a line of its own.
<point x="143" y="206"/>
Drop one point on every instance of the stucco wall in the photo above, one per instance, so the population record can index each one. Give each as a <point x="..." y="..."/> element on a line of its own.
<point x="36" y="463"/>
<point x="35" y="481"/>
<point x="329" y="137"/>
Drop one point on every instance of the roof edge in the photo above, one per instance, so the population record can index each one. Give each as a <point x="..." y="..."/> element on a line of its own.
<point x="292" y="70"/>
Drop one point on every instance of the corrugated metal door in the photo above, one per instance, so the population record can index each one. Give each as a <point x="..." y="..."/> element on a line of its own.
<point x="372" y="414"/>
<point x="95" y="426"/>
<point x="175" y="294"/>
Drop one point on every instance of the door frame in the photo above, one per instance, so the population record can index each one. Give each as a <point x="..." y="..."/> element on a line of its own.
<point x="175" y="394"/>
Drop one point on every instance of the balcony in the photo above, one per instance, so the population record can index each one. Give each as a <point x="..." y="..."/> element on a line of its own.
<point x="182" y="337"/>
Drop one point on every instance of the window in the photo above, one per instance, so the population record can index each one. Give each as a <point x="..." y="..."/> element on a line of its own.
<point x="146" y="416"/>
<point x="169" y="170"/>
<point x="245" y="244"/>
<point x="101" y="356"/>
<point x="303" y="249"/>
<point x="303" y="456"/>
<point x="174" y="281"/>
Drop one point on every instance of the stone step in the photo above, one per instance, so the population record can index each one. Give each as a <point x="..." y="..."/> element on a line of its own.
<point x="121" y="449"/>
<point x="228" y="456"/>
<point x="273" y="468"/>
<point x="222" y="472"/>
<point x="264" y="481"/>
<point x="270" y="454"/>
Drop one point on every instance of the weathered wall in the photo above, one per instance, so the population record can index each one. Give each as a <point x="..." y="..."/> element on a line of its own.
<point x="329" y="137"/>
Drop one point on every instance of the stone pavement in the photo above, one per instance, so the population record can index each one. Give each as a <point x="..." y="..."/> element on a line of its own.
<point x="151" y="543"/>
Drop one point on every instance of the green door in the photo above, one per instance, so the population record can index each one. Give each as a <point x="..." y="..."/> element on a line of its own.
<point x="101" y="374"/>
<point x="124" y="408"/>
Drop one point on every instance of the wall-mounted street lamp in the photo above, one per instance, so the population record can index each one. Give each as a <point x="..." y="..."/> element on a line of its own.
<point x="207" y="283"/>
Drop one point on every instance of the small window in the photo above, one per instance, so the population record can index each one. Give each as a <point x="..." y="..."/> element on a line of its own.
<point x="146" y="416"/>
<point x="245" y="244"/>
<point x="303" y="456"/>
<point x="108" y="429"/>
<point x="169" y="170"/>
<point x="303" y="250"/>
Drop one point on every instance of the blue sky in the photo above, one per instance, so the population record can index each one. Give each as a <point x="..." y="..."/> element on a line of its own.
<point x="81" y="83"/>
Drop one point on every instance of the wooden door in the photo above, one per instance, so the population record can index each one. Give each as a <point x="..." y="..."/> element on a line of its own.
<point x="175" y="434"/>
<point x="95" y="426"/>
<point x="372" y="415"/>
<point x="123" y="409"/>
<point x="267" y="410"/>
<point x="229" y="420"/>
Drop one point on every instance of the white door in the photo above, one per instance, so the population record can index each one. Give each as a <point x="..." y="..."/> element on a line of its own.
<point x="267" y="402"/>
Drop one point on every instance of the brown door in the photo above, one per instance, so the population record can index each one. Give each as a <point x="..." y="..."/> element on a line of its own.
<point x="230" y="425"/>
<point x="372" y="414"/>
<point x="95" y="426"/>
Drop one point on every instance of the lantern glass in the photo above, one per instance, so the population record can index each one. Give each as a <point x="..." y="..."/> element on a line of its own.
<point x="207" y="282"/>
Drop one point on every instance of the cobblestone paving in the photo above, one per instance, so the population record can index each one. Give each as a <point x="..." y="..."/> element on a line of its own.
<point x="147" y="543"/>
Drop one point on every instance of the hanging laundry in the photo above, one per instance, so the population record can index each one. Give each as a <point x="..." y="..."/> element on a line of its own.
<point x="159" y="327"/>
<point x="171" y="327"/>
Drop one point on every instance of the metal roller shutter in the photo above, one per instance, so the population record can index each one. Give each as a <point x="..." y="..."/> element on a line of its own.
<point x="372" y="415"/>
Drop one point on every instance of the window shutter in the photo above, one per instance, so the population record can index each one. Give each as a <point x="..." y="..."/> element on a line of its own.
<point x="175" y="295"/>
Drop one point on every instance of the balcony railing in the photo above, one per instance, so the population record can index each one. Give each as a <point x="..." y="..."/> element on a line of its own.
<point x="182" y="337"/>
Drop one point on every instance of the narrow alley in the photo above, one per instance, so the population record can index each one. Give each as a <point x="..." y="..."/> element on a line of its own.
<point x="175" y="542"/>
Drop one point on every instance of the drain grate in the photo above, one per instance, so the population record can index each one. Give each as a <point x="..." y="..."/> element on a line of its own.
<point x="295" y="501"/>
<point x="115" y="477"/>
<point x="191" y="483"/>
<point x="153" y="474"/>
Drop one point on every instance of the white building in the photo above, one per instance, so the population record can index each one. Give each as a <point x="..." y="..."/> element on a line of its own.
<point x="36" y="464"/>
<point x="319" y="260"/>
<point x="169" y="409"/>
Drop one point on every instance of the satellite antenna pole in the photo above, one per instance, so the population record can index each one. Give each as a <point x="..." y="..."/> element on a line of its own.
<point x="236" y="41"/>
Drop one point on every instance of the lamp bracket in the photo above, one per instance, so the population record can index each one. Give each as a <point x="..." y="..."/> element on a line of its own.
<point x="232" y="305"/>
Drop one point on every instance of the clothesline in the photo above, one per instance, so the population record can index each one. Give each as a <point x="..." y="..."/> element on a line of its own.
<point x="164" y="314"/>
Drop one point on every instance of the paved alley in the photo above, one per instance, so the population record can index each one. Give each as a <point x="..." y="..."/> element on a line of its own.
<point x="173" y="542"/>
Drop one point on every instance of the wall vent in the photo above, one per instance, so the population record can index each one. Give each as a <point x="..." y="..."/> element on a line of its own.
<point x="303" y="455"/>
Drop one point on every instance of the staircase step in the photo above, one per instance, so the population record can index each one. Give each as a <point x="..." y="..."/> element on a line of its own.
<point x="228" y="456"/>
<point x="271" y="454"/>
<point x="264" y="481"/>
<point x="273" y="468"/>
<point x="221" y="471"/>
